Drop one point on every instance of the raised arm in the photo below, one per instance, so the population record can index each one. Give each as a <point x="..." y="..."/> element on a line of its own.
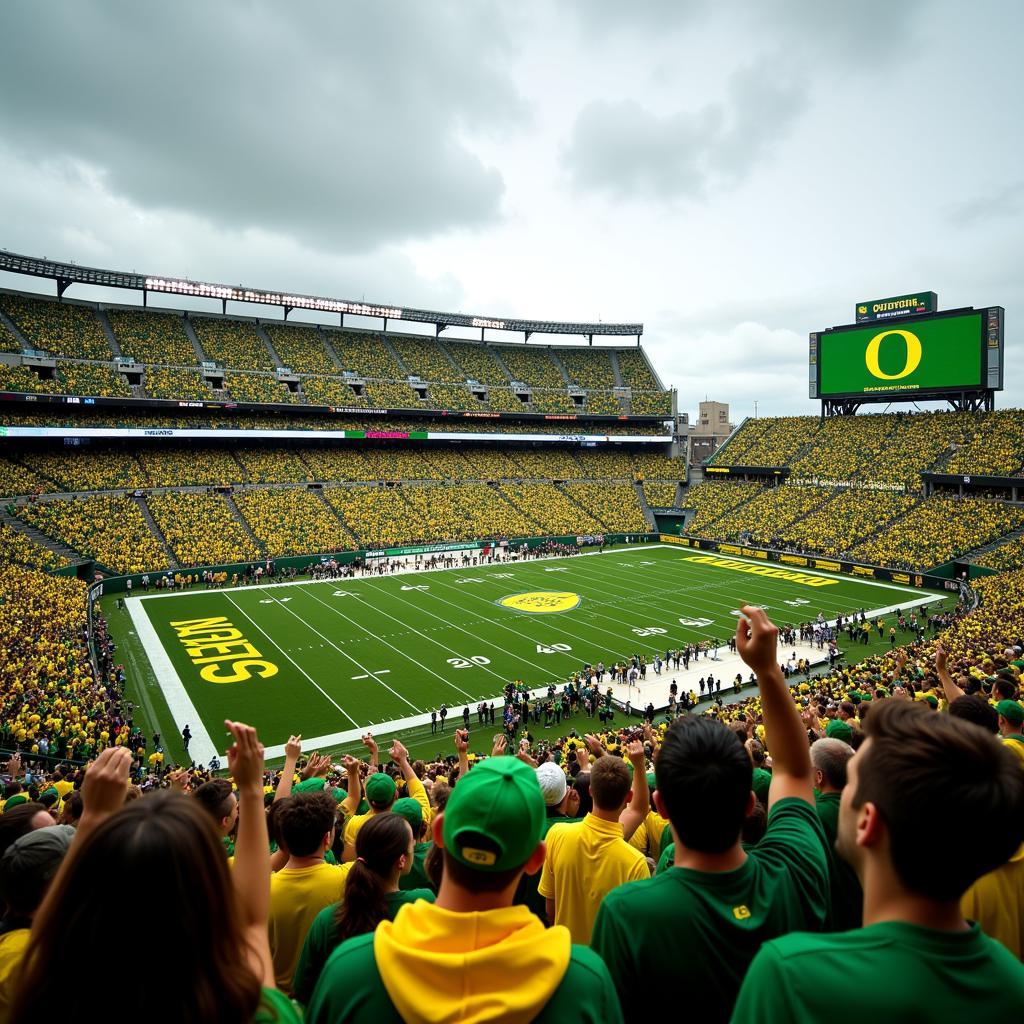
<point x="639" y="805"/>
<point x="949" y="688"/>
<point x="371" y="745"/>
<point x="251" y="874"/>
<point x="413" y="786"/>
<point x="462" y="749"/>
<point x="355" y="785"/>
<point x="792" y="776"/>
<point x="292" y="749"/>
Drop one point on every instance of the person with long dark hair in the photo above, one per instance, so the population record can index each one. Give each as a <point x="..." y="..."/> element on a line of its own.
<point x="166" y="850"/>
<point x="384" y="853"/>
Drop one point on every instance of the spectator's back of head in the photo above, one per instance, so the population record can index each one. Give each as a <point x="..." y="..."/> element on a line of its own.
<point x="704" y="780"/>
<point x="949" y="795"/>
<point x="974" y="709"/>
<point x="217" y="798"/>
<point x="304" y="822"/>
<point x="19" y="821"/>
<point x="29" y="865"/>
<point x="609" y="783"/>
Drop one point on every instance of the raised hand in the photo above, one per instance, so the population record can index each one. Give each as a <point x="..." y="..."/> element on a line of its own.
<point x="245" y="756"/>
<point x="757" y="640"/>
<point x="399" y="753"/>
<point x="461" y="741"/>
<point x="293" y="748"/>
<point x="500" y="745"/>
<point x="106" y="782"/>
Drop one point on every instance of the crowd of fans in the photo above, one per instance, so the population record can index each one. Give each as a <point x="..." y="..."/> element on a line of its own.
<point x="200" y="529"/>
<point x="176" y="382"/>
<point x="158" y="338"/>
<point x="292" y="521"/>
<point x="108" y="528"/>
<point x="530" y="365"/>
<point x="259" y="387"/>
<point x="18" y="549"/>
<point x="232" y="343"/>
<point x="301" y="349"/>
<point x="425" y="358"/>
<point x="59" y="328"/>
<point x="865" y="824"/>
<point x="590" y="368"/>
<point x="635" y="371"/>
<point x="476" y="362"/>
<point x="616" y="505"/>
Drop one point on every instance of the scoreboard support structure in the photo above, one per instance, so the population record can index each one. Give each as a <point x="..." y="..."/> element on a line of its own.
<point x="964" y="401"/>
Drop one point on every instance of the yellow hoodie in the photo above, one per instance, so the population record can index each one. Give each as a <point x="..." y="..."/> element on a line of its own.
<point x="440" y="967"/>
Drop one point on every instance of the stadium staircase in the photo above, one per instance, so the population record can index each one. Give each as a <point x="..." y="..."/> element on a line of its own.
<point x="14" y="329"/>
<point x="561" y="368"/>
<point x="265" y="338"/>
<point x="243" y="522"/>
<point x="648" y="514"/>
<point x="991" y="545"/>
<point x="583" y="508"/>
<point x="681" y="489"/>
<point x="393" y="352"/>
<point x="887" y="525"/>
<point x="330" y="349"/>
<point x="101" y="315"/>
<point x="154" y="527"/>
<point x="40" y="538"/>
<point x="451" y="359"/>
<point x="501" y="363"/>
<point x="191" y="335"/>
<point x="615" y="367"/>
<point x="519" y="508"/>
<point x="318" y="491"/>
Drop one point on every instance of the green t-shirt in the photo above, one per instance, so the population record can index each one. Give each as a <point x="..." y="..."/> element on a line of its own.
<point x="351" y="990"/>
<point x="526" y="892"/>
<point x="276" y="1008"/>
<point x="709" y="925"/>
<point x="885" y="972"/>
<point x="846" y="895"/>
<point x="322" y="940"/>
<point x="417" y="877"/>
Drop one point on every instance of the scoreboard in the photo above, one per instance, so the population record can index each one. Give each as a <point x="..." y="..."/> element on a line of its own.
<point x="916" y="356"/>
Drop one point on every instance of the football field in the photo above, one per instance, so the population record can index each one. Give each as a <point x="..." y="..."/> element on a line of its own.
<point x="329" y="658"/>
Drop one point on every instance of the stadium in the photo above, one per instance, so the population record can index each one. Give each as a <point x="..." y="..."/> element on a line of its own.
<point x="419" y="665"/>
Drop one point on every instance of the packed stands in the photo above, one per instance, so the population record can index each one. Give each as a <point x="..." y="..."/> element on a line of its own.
<point x="178" y="466"/>
<point x="634" y="370"/>
<point x="92" y="380"/>
<point x="551" y="509"/>
<point x="267" y="465"/>
<point x="657" y="466"/>
<point x="845" y="520"/>
<point x="377" y="516"/>
<point x="58" y="328"/>
<point x="597" y="462"/>
<point x="364" y="354"/>
<point x="505" y="400"/>
<point x="301" y="349"/>
<point x="335" y="464"/>
<point x="547" y="464"/>
<point x="21" y="378"/>
<point x="714" y="501"/>
<point x="603" y="403"/>
<point x="200" y="529"/>
<point x="331" y="391"/>
<point x="477" y="362"/>
<point x="426" y="359"/>
<point x="443" y="513"/>
<point x="101" y="469"/>
<point x="938" y="530"/>
<point x="588" y="367"/>
<point x="397" y="464"/>
<point x="552" y="401"/>
<point x="766" y="442"/>
<point x="651" y="403"/>
<point x="291" y="522"/>
<point x="389" y="394"/>
<point x="258" y="387"/>
<point x="616" y="505"/>
<point x="452" y="396"/>
<point x="993" y="445"/>
<point x="18" y="549"/>
<point x="232" y="343"/>
<point x="109" y="529"/>
<point x="1009" y="555"/>
<point x="8" y="341"/>
<point x="766" y="517"/>
<point x="660" y="495"/>
<point x="175" y="382"/>
<point x="152" y="337"/>
<point x="16" y="478"/>
<point x="531" y="366"/>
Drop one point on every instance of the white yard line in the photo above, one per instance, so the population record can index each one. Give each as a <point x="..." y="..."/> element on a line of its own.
<point x="183" y="711"/>
<point x="292" y="660"/>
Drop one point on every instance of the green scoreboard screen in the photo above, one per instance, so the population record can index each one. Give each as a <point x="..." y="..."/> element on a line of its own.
<point x="935" y="353"/>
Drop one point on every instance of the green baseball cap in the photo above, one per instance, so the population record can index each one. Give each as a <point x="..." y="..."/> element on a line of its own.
<point x="410" y="810"/>
<point x="380" y="788"/>
<point x="1011" y="711"/>
<point x="495" y="816"/>
<point x="837" y="729"/>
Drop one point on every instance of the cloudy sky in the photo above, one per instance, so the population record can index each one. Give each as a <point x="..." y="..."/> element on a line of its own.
<point x="733" y="174"/>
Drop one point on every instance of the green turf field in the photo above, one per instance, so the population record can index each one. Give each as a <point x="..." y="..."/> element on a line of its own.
<point x="328" y="658"/>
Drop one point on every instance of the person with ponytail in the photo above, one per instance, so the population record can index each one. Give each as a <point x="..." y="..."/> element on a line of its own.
<point x="384" y="853"/>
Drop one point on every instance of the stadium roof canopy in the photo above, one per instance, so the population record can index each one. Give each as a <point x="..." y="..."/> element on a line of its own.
<point x="66" y="274"/>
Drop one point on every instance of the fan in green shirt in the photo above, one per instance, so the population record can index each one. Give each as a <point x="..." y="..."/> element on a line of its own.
<point x="931" y="803"/>
<point x="709" y="912"/>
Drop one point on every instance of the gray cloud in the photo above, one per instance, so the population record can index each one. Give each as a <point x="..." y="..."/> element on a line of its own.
<point x="999" y="203"/>
<point x="343" y="127"/>
<point x="626" y="150"/>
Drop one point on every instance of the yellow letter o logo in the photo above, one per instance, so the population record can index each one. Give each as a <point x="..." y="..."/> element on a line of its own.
<point x="913" y="355"/>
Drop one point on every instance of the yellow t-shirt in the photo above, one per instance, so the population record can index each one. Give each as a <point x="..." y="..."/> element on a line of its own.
<point x="584" y="862"/>
<point x="996" y="902"/>
<point x="414" y="789"/>
<point x="297" y="895"/>
<point x="12" y="950"/>
<point x="1016" y="746"/>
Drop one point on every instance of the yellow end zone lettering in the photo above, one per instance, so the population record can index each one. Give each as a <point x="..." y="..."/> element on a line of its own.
<point x="209" y="642"/>
<point x="763" y="570"/>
